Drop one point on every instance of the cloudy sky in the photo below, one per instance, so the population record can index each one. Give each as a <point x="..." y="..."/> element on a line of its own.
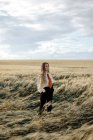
<point x="41" y="29"/>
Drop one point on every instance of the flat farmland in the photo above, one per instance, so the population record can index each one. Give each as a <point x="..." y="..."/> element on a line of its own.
<point x="72" y="114"/>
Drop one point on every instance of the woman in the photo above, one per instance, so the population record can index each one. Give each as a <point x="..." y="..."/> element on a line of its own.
<point x="45" y="87"/>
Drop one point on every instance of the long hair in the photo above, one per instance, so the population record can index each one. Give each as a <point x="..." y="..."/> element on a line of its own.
<point x="43" y="78"/>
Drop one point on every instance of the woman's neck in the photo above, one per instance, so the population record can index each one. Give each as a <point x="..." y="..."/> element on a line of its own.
<point x="46" y="72"/>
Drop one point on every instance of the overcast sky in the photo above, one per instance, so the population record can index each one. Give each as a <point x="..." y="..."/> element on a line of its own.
<point x="41" y="29"/>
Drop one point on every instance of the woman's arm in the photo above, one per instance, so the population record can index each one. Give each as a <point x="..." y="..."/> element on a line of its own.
<point x="39" y="87"/>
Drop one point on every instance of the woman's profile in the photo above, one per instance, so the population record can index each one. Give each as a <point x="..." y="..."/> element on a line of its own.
<point x="45" y="88"/>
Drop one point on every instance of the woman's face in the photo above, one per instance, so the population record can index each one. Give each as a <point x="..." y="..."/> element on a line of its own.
<point x="46" y="67"/>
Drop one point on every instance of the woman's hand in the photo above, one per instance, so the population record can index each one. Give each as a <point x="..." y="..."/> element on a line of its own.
<point x="43" y="90"/>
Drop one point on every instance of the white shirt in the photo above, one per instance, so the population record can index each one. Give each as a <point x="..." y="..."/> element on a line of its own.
<point x="40" y="86"/>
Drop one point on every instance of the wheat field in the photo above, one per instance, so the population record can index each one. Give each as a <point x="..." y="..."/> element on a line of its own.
<point x="72" y="114"/>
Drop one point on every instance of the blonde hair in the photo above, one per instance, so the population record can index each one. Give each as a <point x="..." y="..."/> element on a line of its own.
<point x="43" y="78"/>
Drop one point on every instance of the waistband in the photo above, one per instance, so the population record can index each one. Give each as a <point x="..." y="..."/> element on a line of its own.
<point x="48" y="87"/>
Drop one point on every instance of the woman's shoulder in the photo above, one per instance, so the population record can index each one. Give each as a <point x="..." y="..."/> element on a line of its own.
<point x="50" y="73"/>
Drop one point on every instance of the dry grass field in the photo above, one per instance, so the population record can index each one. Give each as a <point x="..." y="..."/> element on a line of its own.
<point x="72" y="115"/>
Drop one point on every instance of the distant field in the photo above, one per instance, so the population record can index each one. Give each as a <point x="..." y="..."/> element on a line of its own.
<point x="56" y="66"/>
<point x="72" y="115"/>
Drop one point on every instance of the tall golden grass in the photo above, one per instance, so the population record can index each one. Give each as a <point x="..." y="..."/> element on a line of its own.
<point x="72" y="114"/>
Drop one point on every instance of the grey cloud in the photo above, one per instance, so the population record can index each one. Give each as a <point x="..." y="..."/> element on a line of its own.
<point x="76" y="16"/>
<point x="81" y="12"/>
<point x="21" y="36"/>
<point x="74" y="55"/>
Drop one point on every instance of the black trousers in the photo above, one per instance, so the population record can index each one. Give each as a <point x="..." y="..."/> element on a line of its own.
<point x="46" y="97"/>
